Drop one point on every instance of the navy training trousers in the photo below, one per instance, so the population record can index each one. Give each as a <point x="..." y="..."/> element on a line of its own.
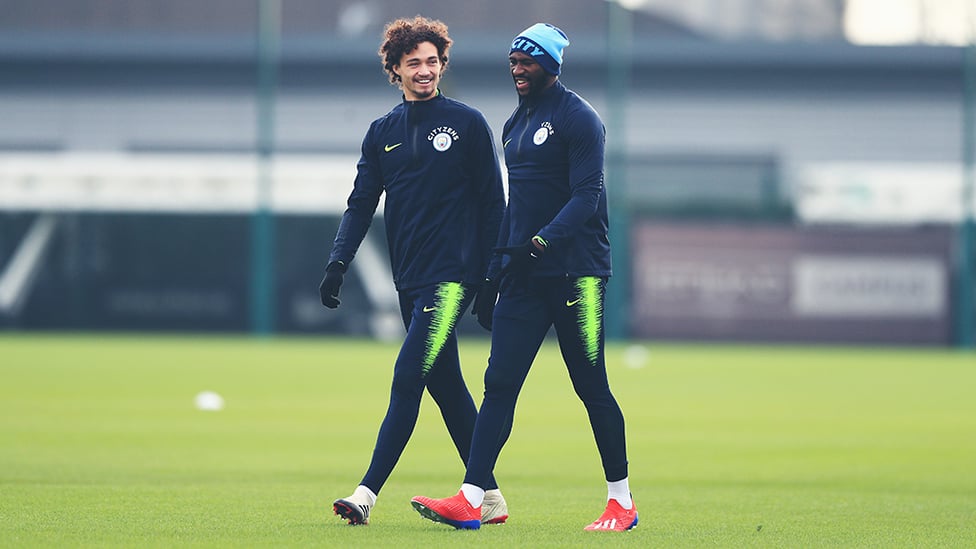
<point x="428" y="358"/>
<point x="525" y="311"/>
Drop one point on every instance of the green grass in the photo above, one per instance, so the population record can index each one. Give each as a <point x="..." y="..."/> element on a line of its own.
<point x="730" y="446"/>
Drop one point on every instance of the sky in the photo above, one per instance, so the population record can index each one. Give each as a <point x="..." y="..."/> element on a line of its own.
<point x="865" y="22"/>
<point x="949" y="22"/>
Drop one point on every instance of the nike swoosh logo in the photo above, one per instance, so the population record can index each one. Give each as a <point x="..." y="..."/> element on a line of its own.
<point x="505" y="144"/>
<point x="429" y="309"/>
<point x="571" y="303"/>
<point x="389" y="148"/>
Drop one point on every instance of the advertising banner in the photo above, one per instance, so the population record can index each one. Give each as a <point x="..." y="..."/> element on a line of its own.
<point x="783" y="283"/>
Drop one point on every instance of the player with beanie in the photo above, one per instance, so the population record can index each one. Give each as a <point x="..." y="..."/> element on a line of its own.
<point x="545" y="44"/>
<point x="552" y="263"/>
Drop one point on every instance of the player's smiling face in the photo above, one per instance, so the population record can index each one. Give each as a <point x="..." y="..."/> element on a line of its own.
<point x="529" y="76"/>
<point x="420" y="72"/>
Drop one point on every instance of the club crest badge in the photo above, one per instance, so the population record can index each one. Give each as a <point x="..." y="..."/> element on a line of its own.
<point x="543" y="133"/>
<point x="442" y="138"/>
<point x="442" y="142"/>
<point x="540" y="136"/>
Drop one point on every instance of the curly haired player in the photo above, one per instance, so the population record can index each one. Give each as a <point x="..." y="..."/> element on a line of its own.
<point x="434" y="158"/>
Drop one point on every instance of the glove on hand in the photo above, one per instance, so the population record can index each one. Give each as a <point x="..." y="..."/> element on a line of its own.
<point x="522" y="258"/>
<point x="329" y="287"/>
<point x="484" y="303"/>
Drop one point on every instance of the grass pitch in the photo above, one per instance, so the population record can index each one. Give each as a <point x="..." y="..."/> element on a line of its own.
<point x="730" y="446"/>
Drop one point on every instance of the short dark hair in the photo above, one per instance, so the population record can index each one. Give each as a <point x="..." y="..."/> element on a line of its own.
<point x="404" y="35"/>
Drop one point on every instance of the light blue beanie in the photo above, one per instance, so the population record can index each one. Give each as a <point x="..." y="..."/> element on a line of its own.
<point x="544" y="43"/>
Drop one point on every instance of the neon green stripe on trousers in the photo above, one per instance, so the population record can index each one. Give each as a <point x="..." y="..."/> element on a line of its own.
<point x="590" y="315"/>
<point x="448" y="298"/>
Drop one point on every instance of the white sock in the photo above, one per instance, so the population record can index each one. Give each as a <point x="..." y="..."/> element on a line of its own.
<point x="473" y="494"/>
<point x="620" y="491"/>
<point x="363" y="491"/>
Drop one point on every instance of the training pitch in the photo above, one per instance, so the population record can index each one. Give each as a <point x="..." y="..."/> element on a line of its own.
<point x="101" y="444"/>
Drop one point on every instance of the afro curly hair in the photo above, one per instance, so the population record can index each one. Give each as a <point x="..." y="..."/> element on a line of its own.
<point x="404" y="35"/>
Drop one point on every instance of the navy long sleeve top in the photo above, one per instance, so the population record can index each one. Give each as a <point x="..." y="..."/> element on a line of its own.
<point x="436" y="162"/>
<point x="554" y="150"/>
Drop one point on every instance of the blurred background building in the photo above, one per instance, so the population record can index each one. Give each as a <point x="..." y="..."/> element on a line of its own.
<point x="780" y="170"/>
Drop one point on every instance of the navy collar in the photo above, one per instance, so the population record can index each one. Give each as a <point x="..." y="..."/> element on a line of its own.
<point x="437" y="98"/>
<point x="532" y="100"/>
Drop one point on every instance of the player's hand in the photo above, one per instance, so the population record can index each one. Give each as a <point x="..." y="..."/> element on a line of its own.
<point x="523" y="257"/>
<point x="484" y="303"/>
<point x="329" y="287"/>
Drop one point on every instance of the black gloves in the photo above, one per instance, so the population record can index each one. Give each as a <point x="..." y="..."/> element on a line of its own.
<point x="523" y="258"/>
<point x="329" y="287"/>
<point x="484" y="303"/>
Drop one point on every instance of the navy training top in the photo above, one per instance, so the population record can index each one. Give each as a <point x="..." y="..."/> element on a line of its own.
<point x="554" y="149"/>
<point x="436" y="162"/>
